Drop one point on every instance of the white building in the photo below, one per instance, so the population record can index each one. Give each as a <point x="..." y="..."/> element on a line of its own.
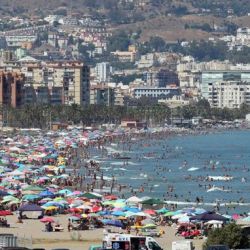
<point x="103" y="71"/>
<point x="156" y="92"/>
<point x="228" y="94"/>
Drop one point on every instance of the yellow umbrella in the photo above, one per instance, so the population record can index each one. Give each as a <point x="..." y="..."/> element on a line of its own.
<point x="50" y="208"/>
<point x="121" y="218"/>
<point x="84" y="216"/>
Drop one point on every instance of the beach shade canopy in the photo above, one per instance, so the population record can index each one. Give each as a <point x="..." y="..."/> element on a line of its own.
<point x="91" y="196"/>
<point x="152" y="201"/>
<point x="30" y="208"/>
<point x="133" y="200"/>
<point x="209" y="216"/>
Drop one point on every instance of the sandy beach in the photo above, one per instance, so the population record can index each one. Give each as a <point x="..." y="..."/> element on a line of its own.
<point x="33" y="230"/>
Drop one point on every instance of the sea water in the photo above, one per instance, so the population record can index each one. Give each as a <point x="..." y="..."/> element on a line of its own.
<point x="186" y="164"/>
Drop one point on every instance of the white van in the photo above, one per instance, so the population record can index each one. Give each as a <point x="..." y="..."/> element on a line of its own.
<point x="129" y="242"/>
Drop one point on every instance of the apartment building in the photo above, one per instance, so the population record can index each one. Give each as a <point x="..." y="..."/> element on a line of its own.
<point x="231" y="94"/>
<point x="208" y="78"/>
<point x="158" y="93"/>
<point x="102" y="95"/>
<point x="71" y="77"/>
<point x="11" y="88"/>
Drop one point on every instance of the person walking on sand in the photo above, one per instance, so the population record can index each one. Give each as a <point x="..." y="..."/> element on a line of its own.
<point x="69" y="225"/>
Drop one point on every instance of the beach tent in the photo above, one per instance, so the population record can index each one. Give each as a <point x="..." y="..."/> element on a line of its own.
<point x="30" y="208"/>
<point x="209" y="216"/>
<point x="133" y="200"/>
<point x="152" y="202"/>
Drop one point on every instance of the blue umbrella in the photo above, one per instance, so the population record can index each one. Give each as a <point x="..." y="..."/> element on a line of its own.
<point x="132" y="209"/>
<point x="3" y="193"/>
<point x="118" y="213"/>
<point x="115" y="223"/>
<point x="46" y="193"/>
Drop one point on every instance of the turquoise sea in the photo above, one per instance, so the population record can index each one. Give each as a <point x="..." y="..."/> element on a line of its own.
<point x="178" y="168"/>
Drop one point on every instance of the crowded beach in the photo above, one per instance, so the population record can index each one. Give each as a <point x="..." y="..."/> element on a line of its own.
<point x="53" y="193"/>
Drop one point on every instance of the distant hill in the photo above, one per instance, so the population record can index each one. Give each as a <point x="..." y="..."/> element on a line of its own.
<point x="170" y="19"/>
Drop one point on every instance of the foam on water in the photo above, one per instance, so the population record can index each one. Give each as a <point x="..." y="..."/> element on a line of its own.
<point x="214" y="188"/>
<point x="118" y="163"/>
<point x="193" y="169"/>
<point x="148" y="157"/>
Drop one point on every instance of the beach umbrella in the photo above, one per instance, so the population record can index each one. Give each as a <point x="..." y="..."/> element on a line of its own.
<point x="3" y="193"/>
<point x="65" y="191"/>
<point x="47" y="219"/>
<point x="30" y="207"/>
<point x="162" y="210"/>
<point x="95" y="209"/>
<point x="149" y="226"/>
<point x="147" y="221"/>
<point x="200" y="211"/>
<point x="84" y="207"/>
<point x="110" y="197"/>
<point x="150" y="211"/>
<point x="91" y="196"/>
<point x="209" y="216"/>
<point x="33" y="188"/>
<point x="74" y="218"/>
<point x="132" y="209"/>
<point x="5" y="213"/>
<point x="8" y="198"/>
<point x="50" y="208"/>
<point x="75" y="193"/>
<point x="118" y="213"/>
<point x="169" y="213"/>
<point x="184" y="219"/>
<point x="188" y="210"/>
<point x="236" y="217"/>
<point x="133" y="200"/>
<point x="93" y="215"/>
<point x="46" y="193"/>
<point x="30" y="197"/>
<point x="115" y="223"/>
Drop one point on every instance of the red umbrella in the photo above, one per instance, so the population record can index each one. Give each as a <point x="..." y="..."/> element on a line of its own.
<point x="150" y="211"/>
<point x="111" y="197"/>
<point x="95" y="209"/>
<point x="5" y="213"/>
<point x="75" y="210"/>
<point x="47" y="219"/>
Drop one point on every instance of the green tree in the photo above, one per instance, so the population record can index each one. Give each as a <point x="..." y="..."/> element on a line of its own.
<point x="231" y="235"/>
<point x="119" y="41"/>
<point x="157" y="44"/>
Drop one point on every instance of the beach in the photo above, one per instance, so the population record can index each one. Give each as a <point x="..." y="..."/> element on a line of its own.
<point x="34" y="229"/>
<point x="160" y="182"/>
